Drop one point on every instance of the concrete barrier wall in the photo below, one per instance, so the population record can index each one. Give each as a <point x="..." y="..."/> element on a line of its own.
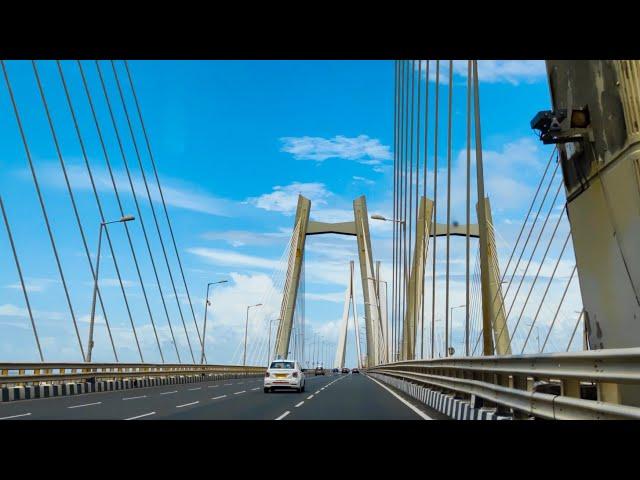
<point x="448" y="405"/>
<point x="9" y="394"/>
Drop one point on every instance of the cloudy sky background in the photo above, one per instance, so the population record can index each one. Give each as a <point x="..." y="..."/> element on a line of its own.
<point x="235" y="142"/>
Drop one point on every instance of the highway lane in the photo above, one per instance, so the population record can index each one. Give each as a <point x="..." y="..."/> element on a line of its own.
<point x="357" y="397"/>
<point x="331" y="397"/>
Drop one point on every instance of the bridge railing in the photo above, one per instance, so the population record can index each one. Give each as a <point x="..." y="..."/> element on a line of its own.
<point x="15" y="374"/>
<point x="552" y="386"/>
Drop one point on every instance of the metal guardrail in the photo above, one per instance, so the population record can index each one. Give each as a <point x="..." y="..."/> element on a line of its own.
<point x="12" y="374"/>
<point x="509" y="382"/>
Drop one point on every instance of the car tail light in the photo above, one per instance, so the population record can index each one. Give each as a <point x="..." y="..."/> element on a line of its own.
<point x="266" y="374"/>
<point x="295" y="374"/>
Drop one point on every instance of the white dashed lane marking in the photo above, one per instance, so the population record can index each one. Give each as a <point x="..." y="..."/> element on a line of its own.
<point x="168" y="393"/>
<point x="299" y="404"/>
<point x="187" y="404"/>
<point x="15" y="416"/>
<point x="134" y="398"/>
<point x="216" y="398"/>
<point x="85" y="405"/>
<point x="140" y="416"/>
<point x="283" y="415"/>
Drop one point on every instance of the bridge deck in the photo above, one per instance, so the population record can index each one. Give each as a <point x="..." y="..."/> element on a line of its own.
<point x="331" y="397"/>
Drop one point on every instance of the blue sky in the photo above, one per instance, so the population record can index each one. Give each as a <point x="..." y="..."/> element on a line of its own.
<point x="234" y="142"/>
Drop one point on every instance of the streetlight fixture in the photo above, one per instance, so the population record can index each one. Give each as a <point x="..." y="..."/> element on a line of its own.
<point x="204" y="327"/>
<point x="123" y="219"/>
<point x="246" y="326"/>
<point x="385" y="219"/>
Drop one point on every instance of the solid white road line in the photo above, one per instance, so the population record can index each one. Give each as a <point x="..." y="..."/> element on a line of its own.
<point x="85" y="405"/>
<point x="216" y="398"/>
<point x="140" y="416"/>
<point x="299" y="404"/>
<point x="193" y="389"/>
<point x="168" y="393"/>
<point x="416" y="410"/>
<point x="134" y="398"/>
<point x="238" y="393"/>
<point x="15" y="416"/>
<point x="187" y="404"/>
<point x="283" y="415"/>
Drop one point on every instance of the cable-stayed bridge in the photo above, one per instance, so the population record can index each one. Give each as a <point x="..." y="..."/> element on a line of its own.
<point x="548" y="327"/>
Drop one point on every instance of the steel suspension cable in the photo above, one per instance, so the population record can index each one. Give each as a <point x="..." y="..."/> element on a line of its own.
<point x="435" y="207"/>
<point x="535" y="247"/>
<point x="528" y="214"/>
<point x="54" y="136"/>
<point x="546" y="290"/>
<point x="42" y="205"/>
<point x="135" y="199"/>
<point x="121" y="209"/>
<point x="424" y="194"/>
<point x="152" y="208"/>
<point x="24" y="289"/>
<point x="468" y="211"/>
<point x="573" y="334"/>
<point x="449" y="128"/>
<point x="535" y="279"/>
<point x="394" y="215"/>
<point x="100" y="210"/>
<point x="553" y="322"/>
<point x="403" y="212"/>
<point x="416" y="318"/>
<point x="535" y="220"/>
<point x="164" y="204"/>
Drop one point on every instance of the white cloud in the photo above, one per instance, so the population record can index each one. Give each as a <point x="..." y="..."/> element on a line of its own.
<point x="231" y="258"/>
<point x="10" y="310"/>
<point x="114" y="282"/>
<point x="363" y="180"/>
<point x="176" y="192"/>
<point x="513" y="72"/>
<point x="34" y="284"/>
<point x="240" y="238"/>
<point x="334" y="297"/>
<point x="285" y="199"/>
<point x="362" y="148"/>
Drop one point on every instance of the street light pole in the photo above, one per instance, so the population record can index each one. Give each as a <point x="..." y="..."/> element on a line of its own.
<point x="269" y="347"/>
<point x="125" y="218"/>
<point x="451" y="329"/>
<point x="204" y="327"/>
<point x="246" y="326"/>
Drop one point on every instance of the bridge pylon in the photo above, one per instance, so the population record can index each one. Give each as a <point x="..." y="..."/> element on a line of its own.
<point x="359" y="228"/>
<point x="596" y="127"/>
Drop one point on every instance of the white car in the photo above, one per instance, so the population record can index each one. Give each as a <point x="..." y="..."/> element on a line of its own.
<point x="284" y="374"/>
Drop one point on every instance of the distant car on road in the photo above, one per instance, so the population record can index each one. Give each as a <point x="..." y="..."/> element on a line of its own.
<point x="335" y="370"/>
<point x="284" y="374"/>
<point x="355" y="370"/>
<point x="319" y="371"/>
<point x="345" y="370"/>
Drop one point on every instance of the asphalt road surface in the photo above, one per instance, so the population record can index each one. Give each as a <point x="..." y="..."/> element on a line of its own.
<point x="331" y="397"/>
